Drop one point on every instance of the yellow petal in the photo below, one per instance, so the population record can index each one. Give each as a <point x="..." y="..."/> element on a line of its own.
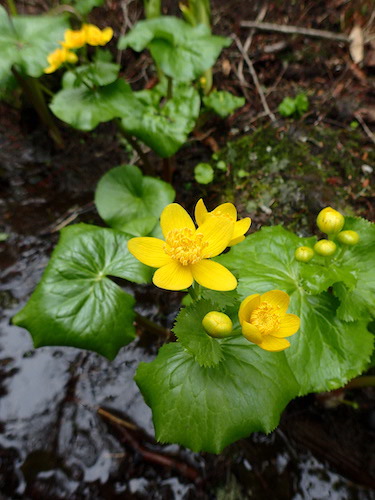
<point x="234" y="241"/>
<point x="289" y="325"/>
<point x="149" y="251"/>
<point x="240" y="228"/>
<point x="174" y="216"/>
<point x="270" y="343"/>
<point x="247" y="307"/>
<point x="213" y="275"/>
<point x="217" y="232"/>
<point x="71" y="57"/>
<point x="277" y="298"/>
<point x="173" y="276"/>
<point x="50" y="69"/>
<point x="251" y="333"/>
<point x="107" y="34"/>
<point x="227" y="210"/>
<point x="200" y="212"/>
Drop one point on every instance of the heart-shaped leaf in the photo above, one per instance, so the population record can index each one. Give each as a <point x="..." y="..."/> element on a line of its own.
<point x="84" y="108"/>
<point x="75" y="303"/>
<point x="209" y="408"/>
<point x="131" y="202"/>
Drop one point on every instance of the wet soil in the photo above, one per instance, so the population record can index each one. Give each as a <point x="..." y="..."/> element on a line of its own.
<point x="56" y="442"/>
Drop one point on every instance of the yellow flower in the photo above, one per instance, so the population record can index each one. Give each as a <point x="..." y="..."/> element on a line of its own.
<point x="217" y="324"/>
<point x="59" y="57"/>
<point x="330" y="221"/>
<point x="183" y="256"/>
<point x="74" y="39"/>
<point x="229" y="211"/>
<point x="264" y="321"/>
<point x="96" y="36"/>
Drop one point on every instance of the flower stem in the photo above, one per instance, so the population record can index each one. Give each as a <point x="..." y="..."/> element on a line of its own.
<point x="12" y="7"/>
<point x="195" y="291"/>
<point x="365" y="381"/>
<point x="151" y="327"/>
<point x="34" y="94"/>
<point x="135" y="145"/>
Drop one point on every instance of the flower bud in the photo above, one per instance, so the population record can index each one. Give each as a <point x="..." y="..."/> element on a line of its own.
<point x="330" y="221"/>
<point x="348" y="237"/>
<point x="304" y="254"/>
<point x="217" y="324"/>
<point x="325" y="248"/>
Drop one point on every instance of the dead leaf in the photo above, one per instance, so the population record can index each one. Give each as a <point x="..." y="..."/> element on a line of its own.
<point x="356" y="47"/>
<point x="226" y="67"/>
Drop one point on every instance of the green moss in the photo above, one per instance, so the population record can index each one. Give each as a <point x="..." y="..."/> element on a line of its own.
<point x="287" y="176"/>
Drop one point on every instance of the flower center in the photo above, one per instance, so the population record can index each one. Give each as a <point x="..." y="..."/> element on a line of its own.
<point x="185" y="246"/>
<point x="266" y="318"/>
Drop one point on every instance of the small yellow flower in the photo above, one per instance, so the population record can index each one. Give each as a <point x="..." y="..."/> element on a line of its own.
<point x="348" y="237"/>
<point x="326" y="248"/>
<point x="74" y="39"/>
<point x="264" y="321"/>
<point x="304" y="254"/>
<point x="95" y="36"/>
<point x="183" y="256"/>
<point x="59" y="57"/>
<point x="229" y="211"/>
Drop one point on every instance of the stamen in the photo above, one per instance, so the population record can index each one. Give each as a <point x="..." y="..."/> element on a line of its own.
<point x="185" y="246"/>
<point x="266" y="318"/>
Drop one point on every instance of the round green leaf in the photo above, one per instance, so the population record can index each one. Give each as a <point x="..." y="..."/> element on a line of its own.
<point x="75" y="304"/>
<point x="204" y="173"/>
<point x="206" y="409"/>
<point x="26" y="41"/>
<point x="131" y="202"/>
<point x="97" y="73"/>
<point x="85" y="108"/>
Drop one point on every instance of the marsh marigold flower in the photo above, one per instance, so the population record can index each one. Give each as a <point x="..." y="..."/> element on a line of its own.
<point x="74" y="39"/>
<point x="229" y="211"/>
<point x="330" y="221"/>
<point x="95" y="36"/>
<point x="59" y="57"/>
<point x="217" y="324"/>
<point x="264" y="320"/>
<point x="184" y="255"/>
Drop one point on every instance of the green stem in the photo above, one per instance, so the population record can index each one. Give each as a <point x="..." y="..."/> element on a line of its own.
<point x="34" y="95"/>
<point x="195" y="291"/>
<point x="151" y="327"/>
<point x="135" y="145"/>
<point x="12" y="7"/>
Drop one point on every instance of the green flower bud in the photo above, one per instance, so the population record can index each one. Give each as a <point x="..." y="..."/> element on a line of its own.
<point x="217" y="324"/>
<point x="330" y="221"/>
<point x="348" y="237"/>
<point x="325" y="247"/>
<point x="304" y="254"/>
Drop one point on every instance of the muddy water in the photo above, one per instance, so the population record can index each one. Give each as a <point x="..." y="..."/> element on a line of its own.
<point x="55" y="445"/>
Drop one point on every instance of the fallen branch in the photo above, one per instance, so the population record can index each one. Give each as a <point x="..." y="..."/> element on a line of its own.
<point x="295" y="30"/>
<point x="254" y="77"/>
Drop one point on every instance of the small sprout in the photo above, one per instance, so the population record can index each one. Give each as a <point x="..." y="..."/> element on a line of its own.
<point x="330" y="221"/>
<point x="353" y="125"/>
<point x="348" y="237"/>
<point x="221" y="165"/>
<point x="217" y="324"/>
<point x="325" y="248"/>
<point x="204" y="173"/>
<point x="304" y="254"/>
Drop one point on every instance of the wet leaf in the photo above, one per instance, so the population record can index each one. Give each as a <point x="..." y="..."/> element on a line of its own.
<point x="131" y="202"/>
<point x="180" y="50"/>
<point x="206" y="409"/>
<point x="26" y="41"/>
<point x="76" y="304"/>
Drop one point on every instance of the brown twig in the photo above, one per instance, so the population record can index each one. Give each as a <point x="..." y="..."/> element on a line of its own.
<point x="369" y="134"/>
<point x="254" y="77"/>
<point x="116" y="420"/>
<point x="295" y="30"/>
